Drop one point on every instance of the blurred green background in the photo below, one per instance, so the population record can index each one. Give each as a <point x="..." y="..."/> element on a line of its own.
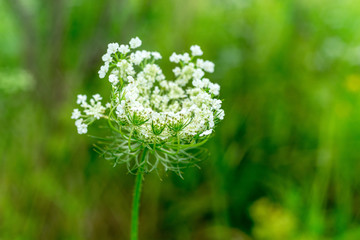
<point x="284" y="163"/>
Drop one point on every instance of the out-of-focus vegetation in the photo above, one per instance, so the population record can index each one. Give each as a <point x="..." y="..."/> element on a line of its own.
<point x="283" y="164"/>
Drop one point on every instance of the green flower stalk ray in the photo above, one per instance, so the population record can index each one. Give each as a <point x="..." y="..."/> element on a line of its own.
<point x="154" y="123"/>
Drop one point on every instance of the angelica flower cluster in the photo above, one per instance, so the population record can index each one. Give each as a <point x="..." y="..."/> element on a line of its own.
<point x="145" y="108"/>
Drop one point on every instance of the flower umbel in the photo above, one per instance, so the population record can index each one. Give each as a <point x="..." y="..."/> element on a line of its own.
<point x="168" y="119"/>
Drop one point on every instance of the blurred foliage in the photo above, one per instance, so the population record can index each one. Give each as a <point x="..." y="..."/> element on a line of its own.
<point x="283" y="164"/>
<point x="15" y="81"/>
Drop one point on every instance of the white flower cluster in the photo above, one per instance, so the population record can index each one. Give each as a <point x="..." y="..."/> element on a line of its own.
<point x="92" y="111"/>
<point x="147" y="107"/>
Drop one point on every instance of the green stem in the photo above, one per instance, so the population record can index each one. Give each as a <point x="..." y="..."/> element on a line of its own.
<point x="136" y="200"/>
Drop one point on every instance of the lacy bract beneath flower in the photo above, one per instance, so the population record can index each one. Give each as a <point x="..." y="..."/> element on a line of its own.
<point x="146" y="107"/>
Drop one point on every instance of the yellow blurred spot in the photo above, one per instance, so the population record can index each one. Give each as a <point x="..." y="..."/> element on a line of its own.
<point x="272" y="222"/>
<point x="353" y="83"/>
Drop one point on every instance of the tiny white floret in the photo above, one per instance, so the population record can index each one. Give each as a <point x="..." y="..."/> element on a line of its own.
<point x="81" y="99"/>
<point x="124" y="49"/>
<point x="175" y="58"/>
<point x="196" y="50"/>
<point x="76" y="114"/>
<point x="156" y="55"/>
<point x="113" y="79"/>
<point x="112" y="48"/>
<point x="135" y="42"/>
<point x="97" y="97"/>
<point x="207" y="132"/>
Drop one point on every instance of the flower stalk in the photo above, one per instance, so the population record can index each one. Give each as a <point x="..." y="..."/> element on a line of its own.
<point x="136" y="199"/>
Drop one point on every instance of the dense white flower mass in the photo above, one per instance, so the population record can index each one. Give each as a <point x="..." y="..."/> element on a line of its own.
<point x="146" y="108"/>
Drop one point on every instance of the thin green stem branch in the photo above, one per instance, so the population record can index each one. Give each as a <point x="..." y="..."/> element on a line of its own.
<point x="136" y="200"/>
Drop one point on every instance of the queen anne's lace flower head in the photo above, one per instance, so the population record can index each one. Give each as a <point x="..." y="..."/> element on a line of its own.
<point x="147" y="111"/>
